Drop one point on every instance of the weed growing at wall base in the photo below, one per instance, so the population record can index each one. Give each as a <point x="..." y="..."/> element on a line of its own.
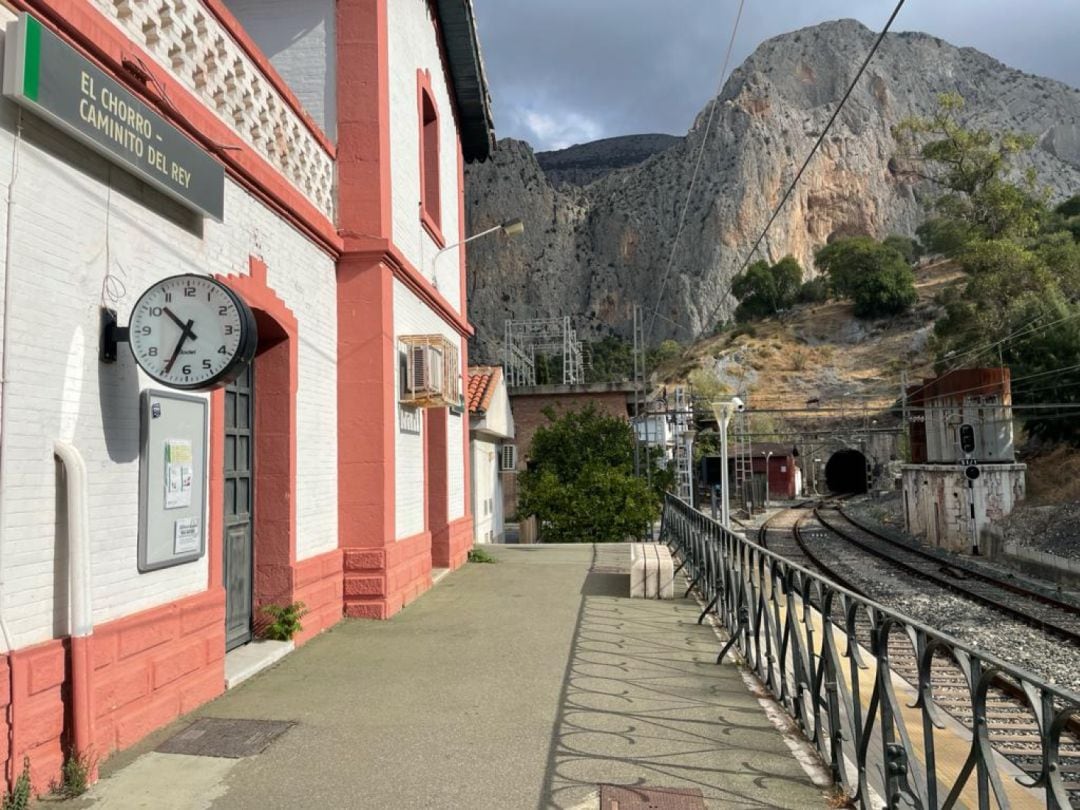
<point x="286" y="622"/>
<point x="21" y="794"/>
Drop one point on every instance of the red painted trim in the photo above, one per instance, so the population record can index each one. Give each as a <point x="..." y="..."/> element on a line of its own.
<point x="363" y="64"/>
<point x="318" y="584"/>
<point x="367" y="405"/>
<point x="431" y="227"/>
<point x="375" y="251"/>
<point x="247" y="44"/>
<point x="430" y="210"/>
<point x="155" y="665"/>
<point x="466" y="455"/>
<point x="95" y="37"/>
<point x="216" y="522"/>
<point x="276" y="380"/>
<point x="426" y="482"/>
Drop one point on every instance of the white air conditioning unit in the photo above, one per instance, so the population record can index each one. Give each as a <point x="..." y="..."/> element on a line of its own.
<point x="508" y="458"/>
<point x="430" y="376"/>
<point x="425" y="370"/>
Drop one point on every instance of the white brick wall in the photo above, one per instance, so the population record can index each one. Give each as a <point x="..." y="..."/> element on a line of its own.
<point x="298" y="38"/>
<point x="413" y="317"/>
<point x="67" y="228"/>
<point x="413" y="45"/>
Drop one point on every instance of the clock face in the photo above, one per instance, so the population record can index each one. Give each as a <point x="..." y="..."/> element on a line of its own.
<point x="191" y="332"/>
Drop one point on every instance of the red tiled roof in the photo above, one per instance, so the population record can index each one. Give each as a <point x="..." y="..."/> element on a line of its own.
<point x="483" y="380"/>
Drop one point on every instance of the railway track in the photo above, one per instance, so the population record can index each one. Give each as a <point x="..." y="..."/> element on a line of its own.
<point x="1013" y="731"/>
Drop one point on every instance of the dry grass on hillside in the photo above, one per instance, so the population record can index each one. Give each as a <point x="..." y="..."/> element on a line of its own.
<point x="821" y="351"/>
<point x="1053" y="477"/>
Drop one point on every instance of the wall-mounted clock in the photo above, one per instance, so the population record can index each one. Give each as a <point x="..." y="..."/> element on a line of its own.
<point x="192" y="332"/>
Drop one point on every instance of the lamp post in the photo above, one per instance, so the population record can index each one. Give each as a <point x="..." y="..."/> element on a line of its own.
<point x="511" y="228"/>
<point x="724" y="411"/>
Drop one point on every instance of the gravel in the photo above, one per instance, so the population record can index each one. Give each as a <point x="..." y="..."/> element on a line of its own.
<point x="1052" y="529"/>
<point x="1013" y="641"/>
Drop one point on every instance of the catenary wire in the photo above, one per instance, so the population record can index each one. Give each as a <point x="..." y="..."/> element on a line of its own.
<point x="697" y="170"/>
<point x="813" y="152"/>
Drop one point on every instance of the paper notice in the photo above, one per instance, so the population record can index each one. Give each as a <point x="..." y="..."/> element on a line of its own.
<point x="178" y="473"/>
<point x="186" y="536"/>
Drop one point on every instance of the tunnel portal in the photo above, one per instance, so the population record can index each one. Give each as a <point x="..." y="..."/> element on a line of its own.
<point x="845" y="472"/>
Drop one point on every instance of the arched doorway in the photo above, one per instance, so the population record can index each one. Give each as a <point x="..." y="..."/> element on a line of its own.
<point x="258" y="459"/>
<point x="845" y="472"/>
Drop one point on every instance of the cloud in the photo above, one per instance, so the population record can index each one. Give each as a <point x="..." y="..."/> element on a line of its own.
<point x="567" y="71"/>
<point x="556" y="130"/>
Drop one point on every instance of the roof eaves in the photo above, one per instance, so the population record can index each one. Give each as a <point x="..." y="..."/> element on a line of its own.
<point x="457" y="21"/>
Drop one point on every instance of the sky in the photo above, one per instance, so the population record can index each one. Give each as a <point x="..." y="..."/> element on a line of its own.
<point x="571" y="71"/>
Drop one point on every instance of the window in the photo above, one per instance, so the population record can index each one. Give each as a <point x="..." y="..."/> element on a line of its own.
<point x="508" y="458"/>
<point x="430" y="187"/>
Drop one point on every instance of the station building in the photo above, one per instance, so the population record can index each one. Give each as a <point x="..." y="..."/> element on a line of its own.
<point x="309" y="155"/>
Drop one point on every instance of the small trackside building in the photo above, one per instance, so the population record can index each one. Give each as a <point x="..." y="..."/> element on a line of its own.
<point x="493" y="453"/>
<point x="337" y="131"/>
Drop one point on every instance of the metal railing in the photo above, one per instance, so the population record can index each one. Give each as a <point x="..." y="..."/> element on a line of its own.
<point x="867" y="685"/>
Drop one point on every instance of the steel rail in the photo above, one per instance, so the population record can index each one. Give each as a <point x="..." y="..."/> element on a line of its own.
<point x="1064" y="633"/>
<point x="969" y="571"/>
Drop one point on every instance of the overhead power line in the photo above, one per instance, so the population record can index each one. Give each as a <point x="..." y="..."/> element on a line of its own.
<point x="697" y="169"/>
<point x="814" y="149"/>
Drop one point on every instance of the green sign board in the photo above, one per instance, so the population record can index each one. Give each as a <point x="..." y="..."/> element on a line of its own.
<point x="46" y="75"/>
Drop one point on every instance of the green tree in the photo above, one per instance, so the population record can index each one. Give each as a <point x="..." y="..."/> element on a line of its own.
<point x="765" y="289"/>
<point x="581" y="484"/>
<point x="874" y="276"/>
<point x="907" y="247"/>
<point x="612" y="360"/>
<point x="970" y="166"/>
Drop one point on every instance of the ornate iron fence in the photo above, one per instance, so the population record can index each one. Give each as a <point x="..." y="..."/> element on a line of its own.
<point x="904" y="715"/>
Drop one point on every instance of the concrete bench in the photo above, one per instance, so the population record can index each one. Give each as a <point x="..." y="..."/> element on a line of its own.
<point x="652" y="573"/>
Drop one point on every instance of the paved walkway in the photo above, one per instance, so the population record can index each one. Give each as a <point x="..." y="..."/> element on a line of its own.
<point x="518" y="685"/>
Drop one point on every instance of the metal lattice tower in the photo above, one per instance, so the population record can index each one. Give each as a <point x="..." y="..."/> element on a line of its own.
<point x="524" y="340"/>
<point x="744" y="459"/>
<point x="682" y="438"/>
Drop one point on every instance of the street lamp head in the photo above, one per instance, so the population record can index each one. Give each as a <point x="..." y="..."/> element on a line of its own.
<point x="513" y="227"/>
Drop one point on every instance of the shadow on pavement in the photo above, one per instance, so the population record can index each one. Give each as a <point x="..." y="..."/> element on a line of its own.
<point x="643" y="703"/>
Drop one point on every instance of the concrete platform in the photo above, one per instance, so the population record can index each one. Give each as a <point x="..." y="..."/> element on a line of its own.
<point x="524" y="684"/>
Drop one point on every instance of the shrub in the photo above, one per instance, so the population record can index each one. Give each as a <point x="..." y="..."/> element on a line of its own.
<point x="764" y="290"/>
<point x="581" y="484"/>
<point x="814" y="291"/>
<point x="874" y="276"/>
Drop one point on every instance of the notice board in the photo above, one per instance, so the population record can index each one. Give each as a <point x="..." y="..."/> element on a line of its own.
<point x="172" y="479"/>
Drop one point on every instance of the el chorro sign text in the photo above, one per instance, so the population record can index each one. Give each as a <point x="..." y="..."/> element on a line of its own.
<point x="46" y="75"/>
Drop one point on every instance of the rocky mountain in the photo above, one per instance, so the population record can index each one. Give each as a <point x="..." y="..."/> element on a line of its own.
<point x="588" y="162"/>
<point x="593" y="248"/>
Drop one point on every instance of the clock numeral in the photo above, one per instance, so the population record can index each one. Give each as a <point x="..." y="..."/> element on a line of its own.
<point x="222" y="310"/>
<point x="186" y="370"/>
<point x="145" y="330"/>
<point x="168" y="297"/>
<point x="228" y="329"/>
<point x="206" y="364"/>
<point x="222" y="350"/>
<point x="189" y="292"/>
<point x="152" y="351"/>
<point x="156" y="312"/>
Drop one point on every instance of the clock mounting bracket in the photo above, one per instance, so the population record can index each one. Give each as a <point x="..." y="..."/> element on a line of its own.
<point x="111" y="335"/>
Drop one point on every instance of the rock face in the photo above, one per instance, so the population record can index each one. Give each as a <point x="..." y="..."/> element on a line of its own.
<point x="594" y="248"/>
<point x="586" y="163"/>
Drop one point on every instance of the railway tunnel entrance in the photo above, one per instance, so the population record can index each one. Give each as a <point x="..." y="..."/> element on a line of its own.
<point x="845" y="472"/>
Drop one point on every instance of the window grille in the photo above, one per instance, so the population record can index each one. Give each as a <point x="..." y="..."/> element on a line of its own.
<point x="431" y="375"/>
<point x="508" y="458"/>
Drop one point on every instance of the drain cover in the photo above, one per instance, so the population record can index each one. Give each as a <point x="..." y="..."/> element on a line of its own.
<point x="613" y="797"/>
<point x="220" y="737"/>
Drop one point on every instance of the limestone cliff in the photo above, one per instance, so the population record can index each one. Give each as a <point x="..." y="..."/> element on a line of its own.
<point x="592" y="251"/>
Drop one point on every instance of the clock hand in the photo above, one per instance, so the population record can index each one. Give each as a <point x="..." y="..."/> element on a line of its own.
<point x="179" y="345"/>
<point x="185" y="327"/>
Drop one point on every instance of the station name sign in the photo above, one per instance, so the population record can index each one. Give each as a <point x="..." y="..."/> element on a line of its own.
<point x="46" y="75"/>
